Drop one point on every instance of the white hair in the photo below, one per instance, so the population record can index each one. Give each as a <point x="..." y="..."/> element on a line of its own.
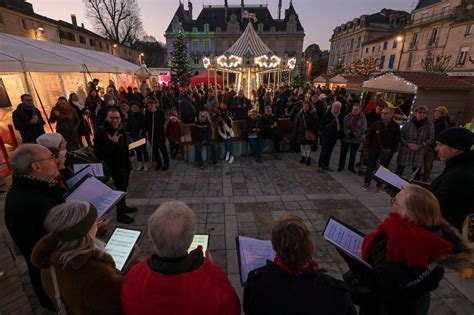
<point x="23" y="156"/>
<point x="171" y="229"/>
<point x="64" y="216"/>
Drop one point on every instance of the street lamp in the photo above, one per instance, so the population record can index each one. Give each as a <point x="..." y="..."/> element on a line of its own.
<point x="400" y="38"/>
<point x="142" y="58"/>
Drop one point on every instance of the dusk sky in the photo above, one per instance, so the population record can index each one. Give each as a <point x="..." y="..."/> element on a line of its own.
<point x="319" y="17"/>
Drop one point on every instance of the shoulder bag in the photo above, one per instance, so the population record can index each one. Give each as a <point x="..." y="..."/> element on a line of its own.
<point x="57" y="296"/>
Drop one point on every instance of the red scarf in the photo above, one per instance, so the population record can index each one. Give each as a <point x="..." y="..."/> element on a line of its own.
<point x="408" y="243"/>
<point x="311" y="265"/>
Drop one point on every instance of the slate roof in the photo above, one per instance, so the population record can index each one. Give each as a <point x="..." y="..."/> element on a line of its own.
<point x="424" y="3"/>
<point x="384" y="16"/>
<point x="433" y="81"/>
<point x="214" y="15"/>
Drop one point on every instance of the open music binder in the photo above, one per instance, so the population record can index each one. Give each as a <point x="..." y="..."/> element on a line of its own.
<point x="252" y="254"/>
<point x="90" y="189"/>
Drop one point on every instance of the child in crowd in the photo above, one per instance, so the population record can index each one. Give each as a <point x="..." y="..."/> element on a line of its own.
<point x="204" y="138"/>
<point x="173" y="134"/>
<point x="226" y="133"/>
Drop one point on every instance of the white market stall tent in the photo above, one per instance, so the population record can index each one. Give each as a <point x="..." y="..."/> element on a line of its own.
<point x="409" y="89"/>
<point x="54" y="70"/>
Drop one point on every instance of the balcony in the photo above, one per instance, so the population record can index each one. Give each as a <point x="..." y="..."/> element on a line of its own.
<point x="434" y="17"/>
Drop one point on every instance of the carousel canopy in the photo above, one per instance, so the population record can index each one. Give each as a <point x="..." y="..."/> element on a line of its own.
<point x="249" y="43"/>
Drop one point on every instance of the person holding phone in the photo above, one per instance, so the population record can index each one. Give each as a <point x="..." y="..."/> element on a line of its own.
<point x="76" y="272"/>
<point x="172" y="281"/>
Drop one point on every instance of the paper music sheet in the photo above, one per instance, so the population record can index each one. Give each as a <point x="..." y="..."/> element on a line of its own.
<point x="97" y="169"/>
<point x="253" y="254"/>
<point x="98" y="194"/>
<point x="390" y="178"/>
<point x="136" y="144"/>
<point x="345" y="239"/>
<point x="199" y="239"/>
<point x="121" y="244"/>
<point x="79" y="175"/>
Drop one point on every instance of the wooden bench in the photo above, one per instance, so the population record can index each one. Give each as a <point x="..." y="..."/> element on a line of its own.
<point x="241" y="148"/>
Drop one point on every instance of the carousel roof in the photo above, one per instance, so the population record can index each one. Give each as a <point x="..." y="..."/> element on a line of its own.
<point x="249" y="43"/>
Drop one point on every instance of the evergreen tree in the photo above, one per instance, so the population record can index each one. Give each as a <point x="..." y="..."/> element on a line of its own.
<point x="180" y="70"/>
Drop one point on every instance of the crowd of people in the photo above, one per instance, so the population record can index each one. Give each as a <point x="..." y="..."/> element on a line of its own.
<point x="71" y="272"/>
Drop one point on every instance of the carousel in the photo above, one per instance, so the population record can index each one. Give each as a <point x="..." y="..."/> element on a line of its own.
<point x="249" y="63"/>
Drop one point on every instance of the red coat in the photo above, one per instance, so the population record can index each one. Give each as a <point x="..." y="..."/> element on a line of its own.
<point x="173" y="133"/>
<point x="206" y="290"/>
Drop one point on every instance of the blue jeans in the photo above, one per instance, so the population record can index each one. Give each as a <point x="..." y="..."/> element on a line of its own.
<point x="256" y="145"/>
<point x="229" y="146"/>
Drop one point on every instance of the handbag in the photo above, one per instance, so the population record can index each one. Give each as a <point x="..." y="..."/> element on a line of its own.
<point x="57" y="296"/>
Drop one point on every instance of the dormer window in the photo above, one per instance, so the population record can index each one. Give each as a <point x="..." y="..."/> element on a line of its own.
<point x="194" y="30"/>
<point x="260" y="27"/>
<point x="206" y="28"/>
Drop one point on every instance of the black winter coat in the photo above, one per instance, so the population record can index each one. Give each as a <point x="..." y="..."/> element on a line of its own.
<point x="203" y="131"/>
<point x="250" y="125"/>
<point x="384" y="289"/>
<point x="240" y="108"/>
<point x="26" y="206"/>
<point x="21" y="120"/>
<point x="454" y="188"/>
<point x="379" y="135"/>
<point x="271" y="290"/>
<point x="136" y="125"/>
<point x="328" y="126"/>
<point x="186" y="110"/>
<point x="115" y="155"/>
<point x="155" y="126"/>
<point x="306" y="121"/>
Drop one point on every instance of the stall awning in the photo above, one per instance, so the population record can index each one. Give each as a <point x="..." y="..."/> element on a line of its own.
<point x="323" y="78"/>
<point x="18" y="54"/>
<point x="411" y="81"/>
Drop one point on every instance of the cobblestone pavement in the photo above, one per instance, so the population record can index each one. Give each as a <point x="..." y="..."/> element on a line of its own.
<point x="245" y="197"/>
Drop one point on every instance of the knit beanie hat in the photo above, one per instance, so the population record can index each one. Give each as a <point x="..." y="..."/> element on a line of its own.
<point x="443" y="110"/>
<point x="456" y="138"/>
<point x="50" y="140"/>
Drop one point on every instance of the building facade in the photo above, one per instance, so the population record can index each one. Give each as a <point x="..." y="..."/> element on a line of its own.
<point x="218" y="26"/>
<point x="17" y="17"/>
<point x="388" y="49"/>
<point x="440" y="27"/>
<point x="348" y="39"/>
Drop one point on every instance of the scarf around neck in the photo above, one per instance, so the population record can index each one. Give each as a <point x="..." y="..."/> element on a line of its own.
<point x="408" y="243"/>
<point x="310" y="266"/>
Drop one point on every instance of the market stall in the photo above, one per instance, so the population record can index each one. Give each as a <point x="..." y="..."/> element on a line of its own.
<point x="352" y="83"/>
<point x="409" y="89"/>
<point x="47" y="70"/>
<point x="322" y="81"/>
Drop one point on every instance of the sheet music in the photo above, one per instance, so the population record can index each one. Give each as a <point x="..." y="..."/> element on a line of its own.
<point x="97" y="169"/>
<point x="121" y="244"/>
<point x="136" y="144"/>
<point x="98" y="194"/>
<point x="345" y="239"/>
<point x="79" y="175"/>
<point x="390" y="178"/>
<point x="199" y="239"/>
<point x="253" y="254"/>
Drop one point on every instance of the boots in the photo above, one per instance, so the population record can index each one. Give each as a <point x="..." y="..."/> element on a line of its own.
<point x="303" y="160"/>
<point x="140" y="166"/>
<point x="308" y="161"/>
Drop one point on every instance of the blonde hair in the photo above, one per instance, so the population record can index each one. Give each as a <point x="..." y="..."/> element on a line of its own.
<point x="422" y="207"/>
<point x="64" y="216"/>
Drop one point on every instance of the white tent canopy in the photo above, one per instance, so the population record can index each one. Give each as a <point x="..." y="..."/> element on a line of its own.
<point x="249" y="43"/>
<point x="389" y="82"/>
<point x="19" y="54"/>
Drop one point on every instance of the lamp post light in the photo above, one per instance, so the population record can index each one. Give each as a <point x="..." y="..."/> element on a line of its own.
<point x="142" y="59"/>
<point x="399" y="39"/>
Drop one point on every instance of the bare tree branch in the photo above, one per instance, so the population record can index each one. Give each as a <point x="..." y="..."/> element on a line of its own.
<point x="117" y="20"/>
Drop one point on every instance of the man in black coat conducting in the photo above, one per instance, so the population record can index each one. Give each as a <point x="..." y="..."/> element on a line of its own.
<point x="111" y="146"/>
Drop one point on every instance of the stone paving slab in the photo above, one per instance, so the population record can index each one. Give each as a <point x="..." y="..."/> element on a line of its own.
<point x="244" y="198"/>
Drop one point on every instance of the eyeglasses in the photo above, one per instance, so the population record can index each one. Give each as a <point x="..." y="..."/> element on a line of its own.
<point x="51" y="157"/>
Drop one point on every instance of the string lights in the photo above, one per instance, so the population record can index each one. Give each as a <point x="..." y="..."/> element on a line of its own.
<point x="231" y="61"/>
<point x="267" y="61"/>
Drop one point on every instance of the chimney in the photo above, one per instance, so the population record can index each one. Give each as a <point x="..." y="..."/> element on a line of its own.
<point x="279" y="9"/>
<point x="190" y="10"/>
<point x="74" y="20"/>
<point x="241" y="11"/>
<point x="82" y="25"/>
<point x="226" y="6"/>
